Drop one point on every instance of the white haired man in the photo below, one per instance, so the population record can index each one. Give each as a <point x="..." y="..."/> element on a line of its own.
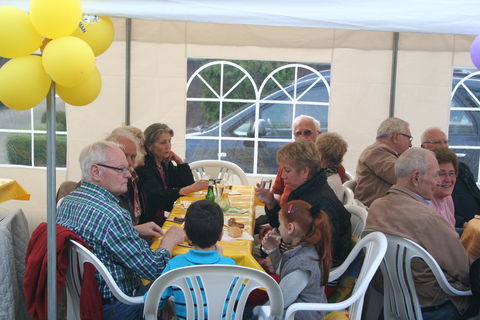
<point x="466" y="195"/>
<point x="404" y="212"/>
<point x="375" y="169"/>
<point x="93" y="212"/>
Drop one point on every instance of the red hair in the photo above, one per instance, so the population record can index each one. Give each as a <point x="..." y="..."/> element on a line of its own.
<point x="315" y="224"/>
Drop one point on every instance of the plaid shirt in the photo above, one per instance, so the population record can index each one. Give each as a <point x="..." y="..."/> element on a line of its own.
<point x="94" y="215"/>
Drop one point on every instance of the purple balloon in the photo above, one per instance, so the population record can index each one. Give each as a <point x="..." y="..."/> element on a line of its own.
<point x="475" y="52"/>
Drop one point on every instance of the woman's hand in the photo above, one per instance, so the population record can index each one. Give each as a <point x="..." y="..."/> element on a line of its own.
<point x="265" y="196"/>
<point x="174" y="157"/>
<point x="197" y="186"/>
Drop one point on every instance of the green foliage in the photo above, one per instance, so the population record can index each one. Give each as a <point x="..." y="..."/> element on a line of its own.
<point x="259" y="70"/>
<point x="19" y="149"/>
<point x="60" y="119"/>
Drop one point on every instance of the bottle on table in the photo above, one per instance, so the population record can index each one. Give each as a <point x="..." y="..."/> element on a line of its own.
<point x="210" y="193"/>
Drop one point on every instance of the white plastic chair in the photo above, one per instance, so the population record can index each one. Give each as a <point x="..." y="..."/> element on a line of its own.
<point x="78" y="255"/>
<point x="351" y="184"/>
<point x="348" y="197"/>
<point x="358" y="218"/>
<point x="375" y="245"/>
<point x="400" y="296"/>
<point x="217" y="282"/>
<point x="217" y="169"/>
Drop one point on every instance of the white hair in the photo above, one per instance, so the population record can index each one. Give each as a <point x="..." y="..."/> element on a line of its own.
<point x="316" y="123"/>
<point x="390" y="126"/>
<point x="92" y="154"/>
<point x="411" y="160"/>
<point x="427" y="132"/>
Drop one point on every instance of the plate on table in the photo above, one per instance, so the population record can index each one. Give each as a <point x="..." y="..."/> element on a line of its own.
<point x="235" y="210"/>
<point x="183" y="204"/>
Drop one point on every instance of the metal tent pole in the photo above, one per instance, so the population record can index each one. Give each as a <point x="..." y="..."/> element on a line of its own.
<point x="393" y="79"/>
<point x="128" y="62"/>
<point x="51" y="207"/>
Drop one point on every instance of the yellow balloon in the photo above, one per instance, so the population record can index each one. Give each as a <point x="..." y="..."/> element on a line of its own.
<point x="97" y="32"/>
<point x="55" y="18"/>
<point x="68" y="60"/>
<point x="18" y="37"/>
<point x="83" y="94"/>
<point x="23" y="82"/>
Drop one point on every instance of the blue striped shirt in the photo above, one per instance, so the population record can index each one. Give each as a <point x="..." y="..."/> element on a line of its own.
<point x="94" y="215"/>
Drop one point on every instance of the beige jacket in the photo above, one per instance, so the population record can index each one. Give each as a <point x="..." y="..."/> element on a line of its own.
<point x="401" y="212"/>
<point x="375" y="172"/>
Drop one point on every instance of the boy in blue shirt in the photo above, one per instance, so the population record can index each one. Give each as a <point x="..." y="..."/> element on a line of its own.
<point x="203" y="227"/>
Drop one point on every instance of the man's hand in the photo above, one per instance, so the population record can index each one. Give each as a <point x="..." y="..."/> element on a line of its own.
<point x="149" y="230"/>
<point x="174" y="236"/>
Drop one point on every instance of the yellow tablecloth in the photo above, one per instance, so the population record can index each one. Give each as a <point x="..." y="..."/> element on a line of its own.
<point x="242" y="197"/>
<point x="471" y="237"/>
<point x="11" y="189"/>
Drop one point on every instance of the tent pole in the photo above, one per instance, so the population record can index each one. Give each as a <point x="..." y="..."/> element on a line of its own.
<point x="128" y="62"/>
<point x="393" y="80"/>
<point x="51" y="208"/>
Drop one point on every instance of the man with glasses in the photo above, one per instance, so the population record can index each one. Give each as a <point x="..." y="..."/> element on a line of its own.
<point x="93" y="212"/>
<point x="375" y="169"/>
<point x="466" y="195"/>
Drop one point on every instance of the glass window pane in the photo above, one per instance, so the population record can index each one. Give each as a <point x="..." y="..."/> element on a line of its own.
<point x="239" y="152"/>
<point x="267" y="151"/>
<point x="40" y="115"/>
<point x="202" y="118"/>
<point x="16" y="148"/>
<point x="278" y="120"/>
<point x="318" y="112"/>
<point x="14" y="119"/>
<point x="40" y="150"/>
<point x="201" y="149"/>
<point x="470" y="157"/>
<point x="238" y="119"/>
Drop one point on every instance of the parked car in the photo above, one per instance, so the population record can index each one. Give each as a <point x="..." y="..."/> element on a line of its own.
<point x="464" y="128"/>
<point x="274" y="125"/>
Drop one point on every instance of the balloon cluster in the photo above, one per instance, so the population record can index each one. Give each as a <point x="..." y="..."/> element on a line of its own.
<point x="68" y="45"/>
<point x="475" y="52"/>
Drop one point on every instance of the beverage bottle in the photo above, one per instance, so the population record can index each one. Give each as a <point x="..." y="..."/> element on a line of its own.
<point x="210" y="194"/>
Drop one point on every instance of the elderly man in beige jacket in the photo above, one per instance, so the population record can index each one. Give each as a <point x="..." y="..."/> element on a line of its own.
<point x="375" y="174"/>
<point x="404" y="212"/>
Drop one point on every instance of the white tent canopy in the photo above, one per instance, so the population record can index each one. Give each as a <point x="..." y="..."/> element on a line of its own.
<point x="425" y="16"/>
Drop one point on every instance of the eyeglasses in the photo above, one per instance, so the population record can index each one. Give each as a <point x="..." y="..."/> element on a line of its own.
<point x="437" y="142"/>
<point x="410" y="138"/>
<point x="444" y="174"/>
<point x="305" y="133"/>
<point x="124" y="170"/>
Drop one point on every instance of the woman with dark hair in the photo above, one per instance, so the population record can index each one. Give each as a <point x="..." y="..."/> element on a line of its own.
<point x="161" y="180"/>
<point x="302" y="173"/>
<point x="442" y="200"/>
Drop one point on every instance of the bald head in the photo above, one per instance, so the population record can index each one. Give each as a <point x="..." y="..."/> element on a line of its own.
<point x="434" y="138"/>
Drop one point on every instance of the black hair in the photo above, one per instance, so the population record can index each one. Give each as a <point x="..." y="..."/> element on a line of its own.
<point x="204" y="223"/>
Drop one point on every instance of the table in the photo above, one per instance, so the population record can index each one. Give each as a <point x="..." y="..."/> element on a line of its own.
<point x="11" y="189"/>
<point x="243" y="198"/>
<point x="471" y="237"/>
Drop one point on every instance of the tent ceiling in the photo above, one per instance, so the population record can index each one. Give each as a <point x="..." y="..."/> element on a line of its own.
<point x="425" y="16"/>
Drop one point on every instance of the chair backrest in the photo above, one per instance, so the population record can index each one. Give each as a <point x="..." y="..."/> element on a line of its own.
<point x="218" y="169"/>
<point x="374" y="246"/>
<point x="400" y="297"/>
<point x="217" y="282"/>
<point x="348" y="197"/>
<point x="351" y="184"/>
<point x="358" y="218"/>
<point x="78" y="256"/>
